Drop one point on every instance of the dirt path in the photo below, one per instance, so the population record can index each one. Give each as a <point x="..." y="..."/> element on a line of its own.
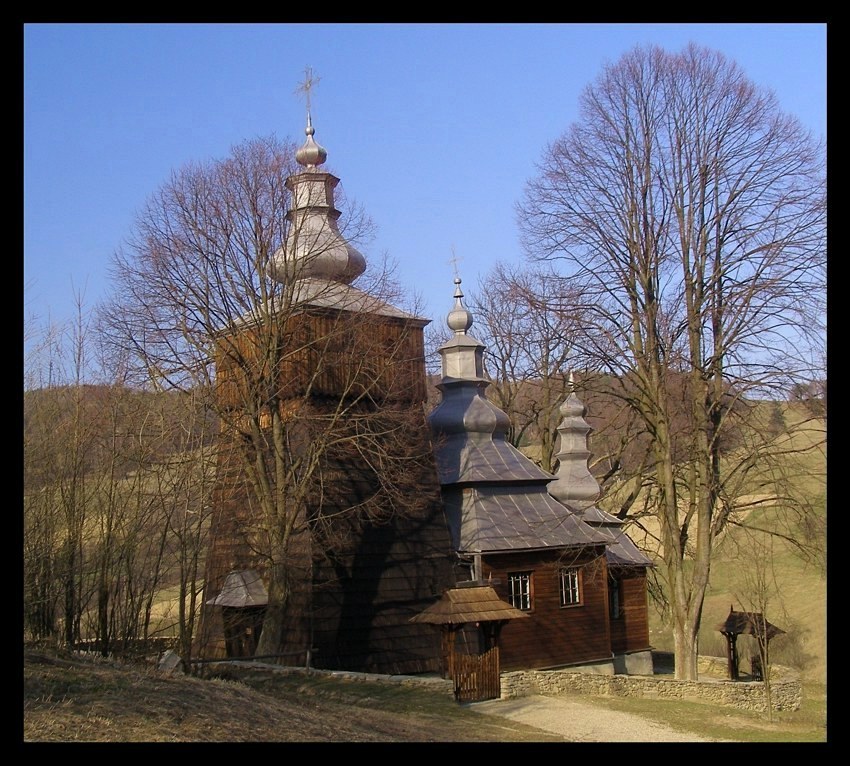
<point x="580" y="722"/>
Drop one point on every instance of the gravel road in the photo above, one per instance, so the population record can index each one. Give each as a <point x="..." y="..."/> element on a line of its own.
<point x="580" y="722"/>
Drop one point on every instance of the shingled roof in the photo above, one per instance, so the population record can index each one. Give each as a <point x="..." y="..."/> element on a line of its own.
<point x="478" y="603"/>
<point x="465" y="460"/>
<point x="503" y="517"/>
<point x="243" y="588"/>
<point x="621" y="550"/>
<point x="748" y="623"/>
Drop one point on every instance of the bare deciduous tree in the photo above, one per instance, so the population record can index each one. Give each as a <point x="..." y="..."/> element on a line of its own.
<point x="688" y="212"/>
<point x="60" y="486"/>
<point x="317" y="383"/>
<point x="102" y="495"/>
<point x="526" y="328"/>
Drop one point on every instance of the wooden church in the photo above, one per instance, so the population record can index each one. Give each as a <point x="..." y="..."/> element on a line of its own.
<point x="537" y="539"/>
<point x="487" y="549"/>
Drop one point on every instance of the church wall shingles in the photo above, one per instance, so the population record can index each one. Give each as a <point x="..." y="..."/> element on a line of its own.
<point x="352" y="613"/>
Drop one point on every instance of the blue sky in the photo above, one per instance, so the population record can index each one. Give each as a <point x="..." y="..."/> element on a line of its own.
<point x="433" y="128"/>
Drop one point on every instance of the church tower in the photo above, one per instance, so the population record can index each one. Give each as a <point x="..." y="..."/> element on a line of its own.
<point x="339" y="537"/>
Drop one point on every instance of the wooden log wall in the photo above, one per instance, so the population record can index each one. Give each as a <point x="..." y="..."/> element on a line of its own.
<point x="361" y="584"/>
<point x="324" y="355"/>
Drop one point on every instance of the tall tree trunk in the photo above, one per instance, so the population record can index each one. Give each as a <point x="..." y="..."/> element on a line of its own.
<point x="274" y="623"/>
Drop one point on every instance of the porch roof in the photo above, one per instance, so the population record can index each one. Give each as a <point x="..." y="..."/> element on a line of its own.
<point x="479" y="603"/>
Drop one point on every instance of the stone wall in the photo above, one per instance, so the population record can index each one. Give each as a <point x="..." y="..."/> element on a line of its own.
<point x="786" y="689"/>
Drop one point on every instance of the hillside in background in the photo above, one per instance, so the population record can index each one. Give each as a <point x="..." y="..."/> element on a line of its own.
<point x="798" y="588"/>
<point x="795" y="585"/>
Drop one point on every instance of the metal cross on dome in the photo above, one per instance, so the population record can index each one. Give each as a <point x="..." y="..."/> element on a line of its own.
<point x="454" y="261"/>
<point x="310" y="82"/>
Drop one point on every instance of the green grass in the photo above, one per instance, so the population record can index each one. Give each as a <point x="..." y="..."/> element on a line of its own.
<point x="808" y="724"/>
<point x="795" y="587"/>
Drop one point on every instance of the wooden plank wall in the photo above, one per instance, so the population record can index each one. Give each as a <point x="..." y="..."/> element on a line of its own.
<point x="554" y="635"/>
<point x="365" y="596"/>
<point x="332" y="354"/>
<point x="232" y="546"/>
<point x="630" y="631"/>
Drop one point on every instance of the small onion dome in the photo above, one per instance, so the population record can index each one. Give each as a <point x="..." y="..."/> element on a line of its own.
<point x="311" y="154"/>
<point x="459" y="318"/>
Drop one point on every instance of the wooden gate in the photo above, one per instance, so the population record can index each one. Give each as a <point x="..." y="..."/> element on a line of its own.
<point x="476" y="676"/>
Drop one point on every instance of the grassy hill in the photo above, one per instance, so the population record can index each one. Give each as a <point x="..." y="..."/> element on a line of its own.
<point x="795" y="585"/>
<point x="70" y="698"/>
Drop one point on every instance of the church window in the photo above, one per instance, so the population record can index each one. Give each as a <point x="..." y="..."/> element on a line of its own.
<point x="520" y="590"/>
<point x="615" y="597"/>
<point x="570" y="586"/>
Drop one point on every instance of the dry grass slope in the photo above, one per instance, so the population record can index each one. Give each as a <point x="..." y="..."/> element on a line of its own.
<point x="69" y="698"/>
<point x="73" y="699"/>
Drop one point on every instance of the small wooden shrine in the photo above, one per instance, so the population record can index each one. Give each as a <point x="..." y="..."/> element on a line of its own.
<point x="746" y="623"/>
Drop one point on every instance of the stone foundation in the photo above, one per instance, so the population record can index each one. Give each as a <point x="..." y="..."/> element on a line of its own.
<point x="637" y="664"/>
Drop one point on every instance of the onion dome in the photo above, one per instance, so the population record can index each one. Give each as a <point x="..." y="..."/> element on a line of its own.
<point x="314" y="247"/>
<point x="459" y="318"/>
<point x="311" y="155"/>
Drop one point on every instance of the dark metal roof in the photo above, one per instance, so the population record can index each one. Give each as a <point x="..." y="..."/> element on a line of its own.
<point x="621" y="550"/>
<point x="748" y="623"/>
<point x="241" y="589"/>
<point x="342" y="297"/>
<point x="465" y="459"/>
<point x="473" y="604"/>
<point x="598" y="517"/>
<point x="496" y="498"/>
<point x="508" y="518"/>
<point x="324" y="294"/>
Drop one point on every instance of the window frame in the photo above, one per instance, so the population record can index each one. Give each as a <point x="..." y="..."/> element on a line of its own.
<point x="521" y="598"/>
<point x="570" y="585"/>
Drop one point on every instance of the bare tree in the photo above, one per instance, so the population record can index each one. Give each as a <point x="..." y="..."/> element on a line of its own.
<point x="688" y="212"/>
<point x="757" y="594"/>
<point x="60" y="450"/>
<point x="99" y="518"/>
<point x="526" y="328"/>
<point x="317" y="383"/>
<point x="190" y="527"/>
<point x="528" y="317"/>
